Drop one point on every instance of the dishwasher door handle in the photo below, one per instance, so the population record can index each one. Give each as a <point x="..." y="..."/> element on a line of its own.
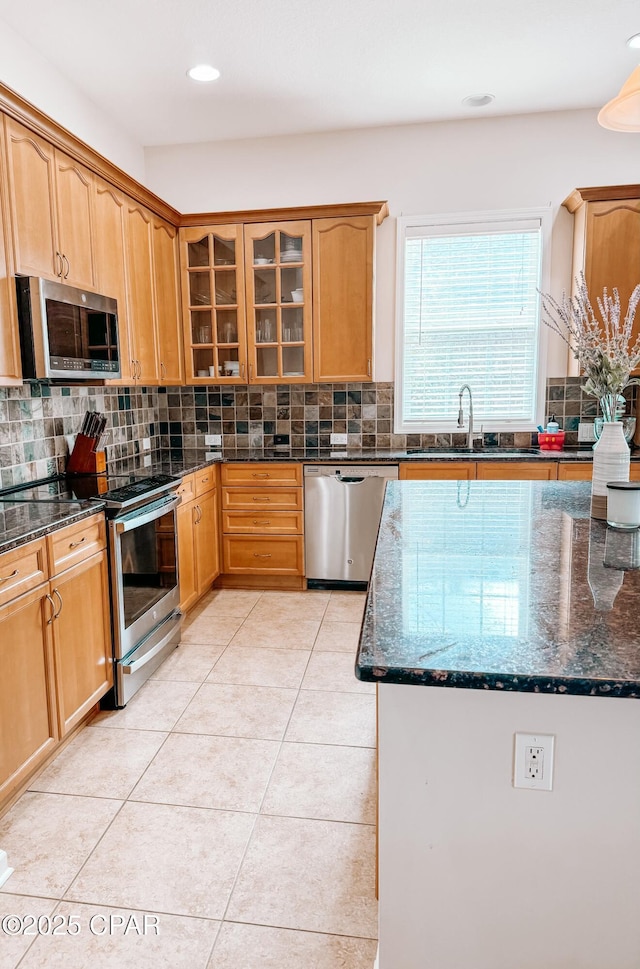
<point x="347" y="480"/>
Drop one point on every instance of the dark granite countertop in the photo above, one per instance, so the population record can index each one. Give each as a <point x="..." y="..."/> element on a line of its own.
<point x="502" y="585"/>
<point x="20" y="522"/>
<point x="181" y="462"/>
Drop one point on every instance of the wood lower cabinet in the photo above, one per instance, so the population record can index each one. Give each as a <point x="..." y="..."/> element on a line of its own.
<point x="28" y="718"/>
<point x="575" y="471"/>
<point x="55" y="644"/>
<point x="198" y="535"/>
<point x="81" y="639"/>
<point x="438" y="470"/>
<point x="517" y="471"/>
<point x="262" y="525"/>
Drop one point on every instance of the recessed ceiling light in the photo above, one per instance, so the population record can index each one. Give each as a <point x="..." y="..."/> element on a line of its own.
<point x="203" y="72"/>
<point x="478" y="100"/>
<point x="634" y="41"/>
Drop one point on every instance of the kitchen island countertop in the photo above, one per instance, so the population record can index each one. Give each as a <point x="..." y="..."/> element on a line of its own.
<point x="502" y="585"/>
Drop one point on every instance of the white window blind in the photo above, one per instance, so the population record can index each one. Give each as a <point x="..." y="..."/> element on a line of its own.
<point x="470" y="314"/>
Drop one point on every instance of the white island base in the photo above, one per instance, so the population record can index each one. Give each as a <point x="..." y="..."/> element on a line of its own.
<point x="476" y="874"/>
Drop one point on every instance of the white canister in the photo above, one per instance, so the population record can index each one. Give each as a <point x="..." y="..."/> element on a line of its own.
<point x="623" y="504"/>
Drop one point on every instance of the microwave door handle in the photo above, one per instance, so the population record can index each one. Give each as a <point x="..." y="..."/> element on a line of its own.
<point x="135" y="521"/>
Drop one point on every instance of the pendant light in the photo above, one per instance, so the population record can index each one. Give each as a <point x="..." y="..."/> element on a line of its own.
<point x="622" y="113"/>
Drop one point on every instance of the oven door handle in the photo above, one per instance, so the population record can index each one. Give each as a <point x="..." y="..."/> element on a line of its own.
<point x="142" y="517"/>
<point x="139" y="658"/>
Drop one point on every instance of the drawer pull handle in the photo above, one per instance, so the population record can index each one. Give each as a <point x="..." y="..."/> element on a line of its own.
<point x="262" y="555"/>
<point x="5" y="578"/>
<point x="75" y="544"/>
<point x="255" y="522"/>
<point x="260" y="474"/>
<point x="261" y="499"/>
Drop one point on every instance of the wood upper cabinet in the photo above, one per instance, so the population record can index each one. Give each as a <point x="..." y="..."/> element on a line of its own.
<point x="213" y="314"/>
<point x="140" y="288"/>
<point x="51" y="200"/>
<point x="278" y="301"/>
<point x="109" y="207"/>
<point x="606" y="240"/>
<point x="166" y="303"/>
<point x="343" y="264"/>
<point x="10" y="365"/>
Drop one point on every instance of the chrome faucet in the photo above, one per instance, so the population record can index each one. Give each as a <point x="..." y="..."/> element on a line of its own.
<point x="461" y="415"/>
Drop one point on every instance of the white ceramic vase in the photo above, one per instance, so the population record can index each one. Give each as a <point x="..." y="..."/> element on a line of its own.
<point x="611" y="457"/>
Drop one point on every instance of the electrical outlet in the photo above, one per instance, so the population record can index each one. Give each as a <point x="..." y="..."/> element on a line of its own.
<point x="338" y="439"/>
<point x="147" y="460"/>
<point x="533" y="761"/>
<point x="146" y="443"/>
<point x="586" y="434"/>
<point x="214" y="440"/>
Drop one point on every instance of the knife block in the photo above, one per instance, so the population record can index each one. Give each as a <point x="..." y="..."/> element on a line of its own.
<point x="84" y="458"/>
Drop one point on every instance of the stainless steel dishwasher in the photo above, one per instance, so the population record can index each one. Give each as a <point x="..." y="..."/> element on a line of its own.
<point x="342" y="506"/>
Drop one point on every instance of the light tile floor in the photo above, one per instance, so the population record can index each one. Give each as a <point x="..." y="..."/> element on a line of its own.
<point x="224" y="819"/>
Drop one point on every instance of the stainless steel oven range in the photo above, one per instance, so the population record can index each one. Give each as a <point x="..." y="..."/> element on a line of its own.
<point x="143" y="566"/>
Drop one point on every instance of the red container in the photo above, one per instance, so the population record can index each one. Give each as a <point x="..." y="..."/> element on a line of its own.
<point x="551" y="442"/>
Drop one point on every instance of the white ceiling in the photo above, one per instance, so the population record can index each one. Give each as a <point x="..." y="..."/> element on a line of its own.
<point x="291" y="66"/>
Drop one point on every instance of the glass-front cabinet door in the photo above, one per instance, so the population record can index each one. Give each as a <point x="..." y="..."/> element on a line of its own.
<point x="278" y="287"/>
<point x="212" y="267"/>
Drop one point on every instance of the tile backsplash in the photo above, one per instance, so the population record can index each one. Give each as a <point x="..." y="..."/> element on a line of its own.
<point x="35" y="418"/>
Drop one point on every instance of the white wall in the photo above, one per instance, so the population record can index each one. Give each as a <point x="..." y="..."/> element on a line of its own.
<point x="491" y="163"/>
<point x="24" y="70"/>
<point x="475" y="873"/>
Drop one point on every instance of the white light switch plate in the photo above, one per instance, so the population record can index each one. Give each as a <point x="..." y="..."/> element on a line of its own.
<point x="146" y="443"/>
<point x="338" y="439"/>
<point x="586" y="434"/>
<point x="147" y="460"/>
<point x="214" y="440"/>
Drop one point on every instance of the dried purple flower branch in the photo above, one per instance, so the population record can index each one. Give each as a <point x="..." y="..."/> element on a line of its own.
<point x="602" y="347"/>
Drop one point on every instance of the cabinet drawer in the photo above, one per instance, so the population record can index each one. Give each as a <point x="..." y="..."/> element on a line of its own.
<point x="187" y="489"/>
<point x="575" y="470"/>
<point x="22" y="569"/>
<point x="262" y="522"/>
<point x="438" y="471"/>
<point x="205" y="480"/>
<point x="74" y="544"/>
<point x="278" y="475"/>
<point x="517" y="471"/>
<point x="274" y="499"/>
<point x="275" y="554"/>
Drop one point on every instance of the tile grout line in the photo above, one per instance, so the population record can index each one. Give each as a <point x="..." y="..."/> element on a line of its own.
<point x="266" y="788"/>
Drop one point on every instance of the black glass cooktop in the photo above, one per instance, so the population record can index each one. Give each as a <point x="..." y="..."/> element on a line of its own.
<point x="116" y="491"/>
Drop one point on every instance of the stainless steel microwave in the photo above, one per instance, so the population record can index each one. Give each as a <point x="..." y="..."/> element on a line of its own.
<point x="66" y="333"/>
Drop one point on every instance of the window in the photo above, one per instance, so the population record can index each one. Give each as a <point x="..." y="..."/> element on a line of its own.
<point x="468" y="312"/>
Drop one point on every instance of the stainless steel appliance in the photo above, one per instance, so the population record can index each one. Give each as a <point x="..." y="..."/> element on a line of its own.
<point x="143" y="565"/>
<point x="342" y="506"/>
<point x="65" y="332"/>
